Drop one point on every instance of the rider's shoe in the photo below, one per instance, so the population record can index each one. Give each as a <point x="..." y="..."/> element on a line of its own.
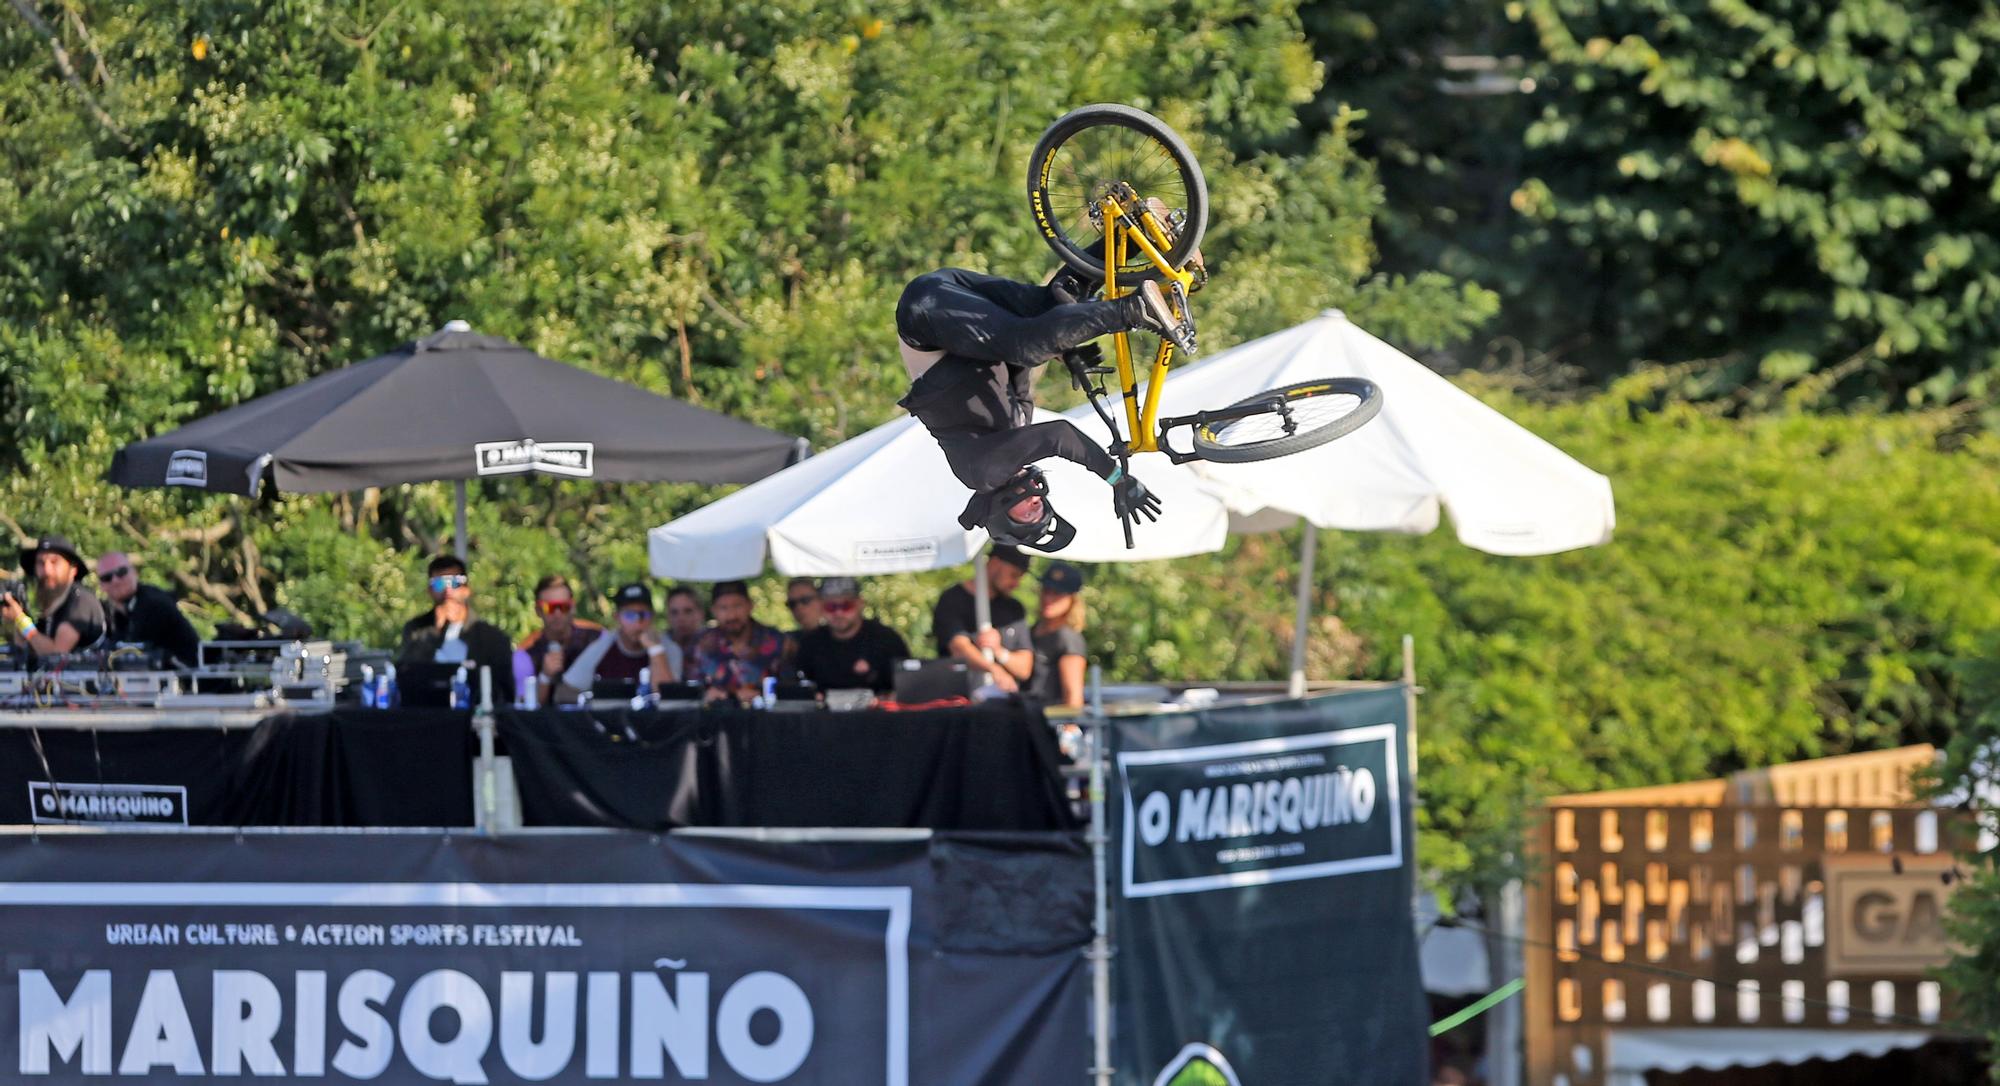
<point x="1156" y="317"/>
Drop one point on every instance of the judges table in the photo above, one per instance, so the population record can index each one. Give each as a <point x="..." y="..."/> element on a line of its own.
<point x="992" y="767"/>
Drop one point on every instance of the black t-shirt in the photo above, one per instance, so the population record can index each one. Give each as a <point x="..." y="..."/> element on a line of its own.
<point x="80" y="608"/>
<point x="1046" y="682"/>
<point x="954" y="615"/>
<point x="152" y="618"/>
<point x="485" y="646"/>
<point x="866" y="660"/>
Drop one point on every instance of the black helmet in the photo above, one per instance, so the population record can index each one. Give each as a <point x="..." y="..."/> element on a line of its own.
<point x="1048" y="534"/>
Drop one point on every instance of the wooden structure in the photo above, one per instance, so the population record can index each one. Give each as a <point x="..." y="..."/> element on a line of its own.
<point x="1804" y="896"/>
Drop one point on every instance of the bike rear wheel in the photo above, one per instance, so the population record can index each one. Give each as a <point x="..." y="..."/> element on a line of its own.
<point x="1296" y="417"/>
<point x="1092" y="148"/>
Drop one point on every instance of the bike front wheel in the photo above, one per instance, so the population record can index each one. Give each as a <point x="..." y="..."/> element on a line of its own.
<point x="1288" y="419"/>
<point x="1086" y="154"/>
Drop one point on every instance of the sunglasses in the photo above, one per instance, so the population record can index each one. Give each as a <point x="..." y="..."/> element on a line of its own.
<point x="448" y="581"/>
<point x="841" y="607"/>
<point x="555" y="607"/>
<point x="797" y="602"/>
<point x="113" y="574"/>
<point x="636" y="616"/>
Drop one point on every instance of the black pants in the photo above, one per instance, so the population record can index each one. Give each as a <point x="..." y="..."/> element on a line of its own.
<point x="985" y="461"/>
<point x="992" y="319"/>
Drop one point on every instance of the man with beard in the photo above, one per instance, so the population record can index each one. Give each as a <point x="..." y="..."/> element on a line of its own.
<point x="71" y="617"/>
<point x="850" y="652"/>
<point x="735" y="657"/>
<point x="144" y="614"/>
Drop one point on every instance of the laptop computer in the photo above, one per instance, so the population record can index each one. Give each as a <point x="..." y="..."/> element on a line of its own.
<point x="919" y="681"/>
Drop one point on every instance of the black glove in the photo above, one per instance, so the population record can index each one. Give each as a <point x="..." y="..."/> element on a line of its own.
<point x="1080" y="361"/>
<point x="1084" y="357"/>
<point x="1131" y="499"/>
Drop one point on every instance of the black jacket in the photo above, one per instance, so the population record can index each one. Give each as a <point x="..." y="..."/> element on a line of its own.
<point x="152" y="618"/>
<point x="485" y="646"/>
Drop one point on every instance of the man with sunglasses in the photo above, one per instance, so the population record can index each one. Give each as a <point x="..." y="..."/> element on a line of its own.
<point x="544" y="655"/>
<point x="448" y="633"/>
<point x="622" y="652"/>
<point x="143" y="614"/>
<point x="850" y="652"/>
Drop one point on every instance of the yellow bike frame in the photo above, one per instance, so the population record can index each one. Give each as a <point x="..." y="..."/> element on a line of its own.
<point x="1133" y="226"/>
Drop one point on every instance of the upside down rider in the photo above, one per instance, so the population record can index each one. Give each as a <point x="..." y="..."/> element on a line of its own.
<point x="972" y="344"/>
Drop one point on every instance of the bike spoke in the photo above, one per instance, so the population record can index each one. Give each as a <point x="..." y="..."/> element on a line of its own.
<point x="1086" y="166"/>
<point x="1303" y="415"/>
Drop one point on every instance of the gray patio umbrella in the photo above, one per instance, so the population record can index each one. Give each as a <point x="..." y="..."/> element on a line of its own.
<point x="454" y="405"/>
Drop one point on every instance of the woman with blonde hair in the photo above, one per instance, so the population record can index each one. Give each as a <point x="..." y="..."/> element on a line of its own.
<point x="1058" y="638"/>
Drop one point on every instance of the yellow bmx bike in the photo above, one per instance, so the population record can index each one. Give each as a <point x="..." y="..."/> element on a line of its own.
<point x="1119" y="197"/>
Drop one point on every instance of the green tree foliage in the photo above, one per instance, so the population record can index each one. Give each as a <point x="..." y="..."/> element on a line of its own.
<point x="1969" y="777"/>
<point x="1801" y="187"/>
<point x="1805" y="186"/>
<point x="713" y="200"/>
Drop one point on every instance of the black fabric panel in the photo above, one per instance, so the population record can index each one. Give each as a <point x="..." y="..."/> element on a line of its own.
<point x="198" y="759"/>
<point x="610" y="768"/>
<point x="407" y="767"/>
<point x="985" y="768"/>
<point x="988" y="768"/>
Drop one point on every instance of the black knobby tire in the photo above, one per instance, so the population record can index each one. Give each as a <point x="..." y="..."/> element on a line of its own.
<point x="1093" y="146"/>
<point x="1324" y="409"/>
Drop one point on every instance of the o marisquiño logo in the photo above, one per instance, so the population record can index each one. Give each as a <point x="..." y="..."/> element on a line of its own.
<point x="1267" y="810"/>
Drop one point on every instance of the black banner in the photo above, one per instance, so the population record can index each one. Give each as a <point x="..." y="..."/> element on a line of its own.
<point x="415" y="958"/>
<point x="1263" y="915"/>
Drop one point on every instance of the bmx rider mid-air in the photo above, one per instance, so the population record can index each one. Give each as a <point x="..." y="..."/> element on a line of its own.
<point x="972" y="344"/>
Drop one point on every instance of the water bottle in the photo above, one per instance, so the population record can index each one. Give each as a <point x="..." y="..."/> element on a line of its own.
<point x="367" y="686"/>
<point x="461" y="689"/>
<point x="770" y="698"/>
<point x="387" y="696"/>
<point x="645" y="691"/>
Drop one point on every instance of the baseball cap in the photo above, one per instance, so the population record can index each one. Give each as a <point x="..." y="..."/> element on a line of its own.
<point x="1061" y="577"/>
<point x="634" y="593"/>
<point x="840" y="588"/>
<point x="1010" y="555"/>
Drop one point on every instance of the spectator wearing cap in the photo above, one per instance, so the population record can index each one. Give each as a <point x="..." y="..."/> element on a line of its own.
<point x="955" y="623"/>
<point x="1060" y="655"/>
<point x="71" y="618"/>
<point x="687" y="618"/>
<point x="143" y="614"/>
<point x="620" y="653"/>
<point x="544" y="655"/>
<point x="852" y="651"/>
<point x="735" y="657"/>
<point x="449" y="633"/>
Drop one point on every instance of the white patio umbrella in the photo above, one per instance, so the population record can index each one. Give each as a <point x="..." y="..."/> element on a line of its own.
<point x="886" y="502"/>
<point x="1433" y="447"/>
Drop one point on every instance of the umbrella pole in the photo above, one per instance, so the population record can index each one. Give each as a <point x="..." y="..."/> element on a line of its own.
<point x="458" y="519"/>
<point x="1307" y="546"/>
<point x="982" y="605"/>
